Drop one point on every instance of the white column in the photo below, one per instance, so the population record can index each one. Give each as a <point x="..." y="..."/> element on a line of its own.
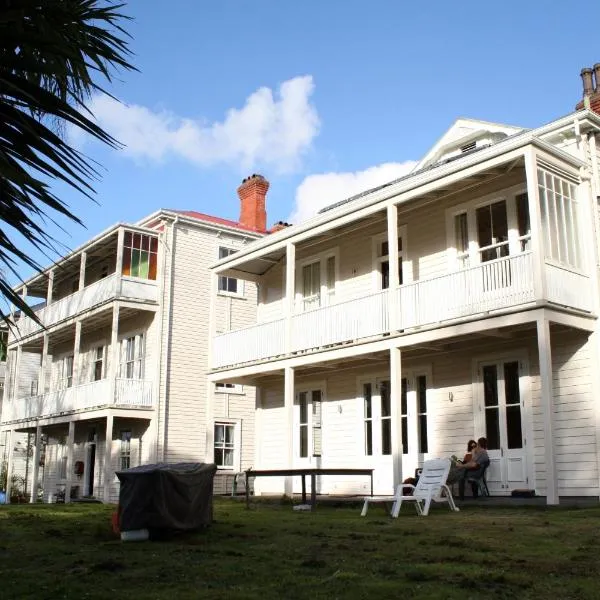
<point x="258" y="426"/>
<point x="396" y="413"/>
<point x="392" y="235"/>
<point x="15" y="390"/>
<point x="119" y="261"/>
<point x="9" y="466"/>
<point x="82" y="270"/>
<point x="77" y="378"/>
<point x="290" y="290"/>
<point x="108" y="467"/>
<point x="288" y="396"/>
<point x="537" y="232"/>
<point x="36" y="465"/>
<point x="50" y="286"/>
<point x="210" y="419"/>
<point x="113" y="366"/>
<point x="70" y="444"/>
<point x="547" y="402"/>
<point x="43" y="366"/>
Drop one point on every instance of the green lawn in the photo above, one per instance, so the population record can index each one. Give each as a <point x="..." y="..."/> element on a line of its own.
<point x="69" y="551"/>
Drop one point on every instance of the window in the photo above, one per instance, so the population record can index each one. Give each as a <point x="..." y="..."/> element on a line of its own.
<point x="523" y="222"/>
<point x="479" y="233"/>
<point x="229" y="388"/>
<point x="303" y="423"/>
<point x="229" y="285"/>
<point x="66" y="372"/>
<point x="132" y="357"/>
<point x="224" y="449"/>
<point x="386" y="418"/>
<point x="3" y="345"/>
<point x="139" y="255"/>
<point x="422" y="413"/>
<point x="382" y="260"/>
<point x="559" y="212"/>
<point x="492" y="231"/>
<point x="98" y="366"/>
<point x="125" y="449"/>
<point x="404" y="414"/>
<point x="368" y="411"/>
<point x="62" y="460"/>
<point x="311" y="285"/>
<point x="316" y="281"/>
<point x="461" y="239"/>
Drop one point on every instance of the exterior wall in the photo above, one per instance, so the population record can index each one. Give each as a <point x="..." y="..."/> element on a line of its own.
<point x="184" y="396"/>
<point x="425" y="247"/>
<point x="453" y="414"/>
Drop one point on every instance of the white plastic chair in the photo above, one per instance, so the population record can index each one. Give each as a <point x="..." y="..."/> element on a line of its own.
<point x="429" y="488"/>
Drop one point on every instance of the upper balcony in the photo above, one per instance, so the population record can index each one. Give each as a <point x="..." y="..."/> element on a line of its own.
<point x="95" y="395"/>
<point x="513" y="234"/>
<point x="120" y="264"/>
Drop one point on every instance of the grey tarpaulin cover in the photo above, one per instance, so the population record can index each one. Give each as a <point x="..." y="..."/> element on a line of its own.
<point x="164" y="496"/>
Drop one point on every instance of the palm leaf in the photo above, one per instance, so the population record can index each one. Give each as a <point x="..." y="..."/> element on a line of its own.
<point x="53" y="55"/>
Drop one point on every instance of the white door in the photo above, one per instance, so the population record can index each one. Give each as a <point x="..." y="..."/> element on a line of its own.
<point x="501" y="407"/>
<point x="308" y="433"/>
<point x="415" y="420"/>
<point x="377" y="433"/>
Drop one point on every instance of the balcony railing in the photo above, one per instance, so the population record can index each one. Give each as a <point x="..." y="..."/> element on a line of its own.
<point x="491" y="286"/>
<point x="95" y="294"/>
<point x="97" y="394"/>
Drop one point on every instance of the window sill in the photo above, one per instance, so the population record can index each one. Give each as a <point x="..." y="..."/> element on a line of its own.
<point x="231" y="294"/>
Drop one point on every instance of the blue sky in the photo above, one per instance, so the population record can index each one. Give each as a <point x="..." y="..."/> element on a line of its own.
<point x="321" y="91"/>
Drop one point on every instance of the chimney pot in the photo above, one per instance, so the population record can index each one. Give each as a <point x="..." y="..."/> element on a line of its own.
<point x="253" y="194"/>
<point x="588" y="85"/>
<point x="597" y="77"/>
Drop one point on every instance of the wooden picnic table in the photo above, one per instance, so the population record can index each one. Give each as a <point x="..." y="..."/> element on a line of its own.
<point x="313" y="473"/>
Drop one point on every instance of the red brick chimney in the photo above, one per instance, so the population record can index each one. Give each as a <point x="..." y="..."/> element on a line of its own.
<point x="591" y="89"/>
<point x="253" y="194"/>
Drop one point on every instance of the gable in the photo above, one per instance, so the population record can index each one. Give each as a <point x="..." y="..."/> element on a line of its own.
<point x="465" y="135"/>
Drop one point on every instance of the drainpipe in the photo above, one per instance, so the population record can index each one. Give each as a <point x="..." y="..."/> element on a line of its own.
<point x="160" y="455"/>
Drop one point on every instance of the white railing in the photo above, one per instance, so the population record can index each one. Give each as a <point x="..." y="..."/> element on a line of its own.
<point x="344" y="322"/>
<point x="492" y="285"/>
<point x="92" y="295"/>
<point x="568" y="288"/>
<point x="265" y="340"/>
<point x="96" y="394"/>
<point x="133" y="392"/>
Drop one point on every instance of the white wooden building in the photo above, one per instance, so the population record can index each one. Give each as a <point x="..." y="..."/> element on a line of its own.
<point x="459" y="301"/>
<point x="123" y="356"/>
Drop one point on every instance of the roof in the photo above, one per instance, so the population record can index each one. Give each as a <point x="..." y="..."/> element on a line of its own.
<point x="215" y="220"/>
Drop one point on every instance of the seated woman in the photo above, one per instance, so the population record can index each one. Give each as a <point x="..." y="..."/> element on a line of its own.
<point x="471" y="448"/>
<point x="475" y="468"/>
<point x="456" y="469"/>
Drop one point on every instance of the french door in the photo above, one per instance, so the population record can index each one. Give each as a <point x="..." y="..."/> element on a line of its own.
<point x="308" y="437"/>
<point x="501" y="418"/>
<point x="377" y="426"/>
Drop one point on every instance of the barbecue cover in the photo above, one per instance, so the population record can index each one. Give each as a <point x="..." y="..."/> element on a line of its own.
<point x="166" y="496"/>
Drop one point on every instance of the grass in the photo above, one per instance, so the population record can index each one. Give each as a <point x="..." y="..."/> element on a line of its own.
<point x="69" y="551"/>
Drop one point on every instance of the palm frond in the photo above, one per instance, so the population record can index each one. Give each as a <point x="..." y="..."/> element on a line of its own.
<point x="53" y="55"/>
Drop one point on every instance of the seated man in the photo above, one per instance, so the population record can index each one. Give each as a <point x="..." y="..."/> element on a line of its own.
<point x="475" y="468"/>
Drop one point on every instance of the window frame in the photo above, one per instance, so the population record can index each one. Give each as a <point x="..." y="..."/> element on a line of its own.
<point x="377" y="259"/>
<point x="127" y="264"/>
<point x="239" y="293"/>
<point x="327" y="296"/>
<point x="472" y="257"/>
<point x="137" y="360"/>
<point x="125" y="448"/>
<point x="222" y="387"/>
<point x="94" y="360"/>
<point x="237" y="438"/>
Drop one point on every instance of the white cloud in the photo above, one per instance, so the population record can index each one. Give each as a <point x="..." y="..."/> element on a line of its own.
<point x="318" y="191"/>
<point x="271" y="129"/>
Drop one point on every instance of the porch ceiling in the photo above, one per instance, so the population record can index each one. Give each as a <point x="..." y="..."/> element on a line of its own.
<point x="513" y="169"/>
